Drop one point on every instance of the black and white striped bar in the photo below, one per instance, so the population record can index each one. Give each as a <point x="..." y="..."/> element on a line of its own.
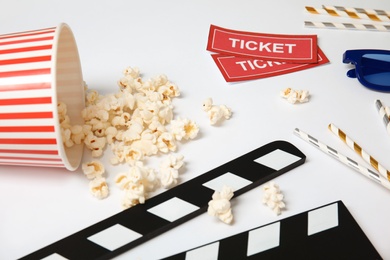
<point x="167" y="210"/>
<point x="327" y="232"/>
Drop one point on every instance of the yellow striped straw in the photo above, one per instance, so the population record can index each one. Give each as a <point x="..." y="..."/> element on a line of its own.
<point x="359" y="150"/>
<point x="372" y="175"/>
<point x="359" y="10"/>
<point x="347" y="14"/>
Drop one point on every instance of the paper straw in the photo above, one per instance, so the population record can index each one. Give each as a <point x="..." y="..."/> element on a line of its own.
<point x="342" y="158"/>
<point x="383" y="114"/>
<point x="348" y="26"/>
<point x="360" y="10"/>
<point x="347" y="14"/>
<point x="359" y="150"/>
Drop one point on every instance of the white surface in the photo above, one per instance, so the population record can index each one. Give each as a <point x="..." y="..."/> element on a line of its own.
<point x="40" y="206"/>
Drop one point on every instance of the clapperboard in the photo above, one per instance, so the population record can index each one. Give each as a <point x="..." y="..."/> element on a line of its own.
<point x="327" y="232"/>
<point x="131" y="227"/>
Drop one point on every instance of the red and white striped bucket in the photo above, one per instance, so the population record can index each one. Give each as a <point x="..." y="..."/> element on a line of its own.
<point x="37" y="70"/>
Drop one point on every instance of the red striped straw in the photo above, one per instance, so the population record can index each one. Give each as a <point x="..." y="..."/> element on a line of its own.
<point x="37" y="70"/>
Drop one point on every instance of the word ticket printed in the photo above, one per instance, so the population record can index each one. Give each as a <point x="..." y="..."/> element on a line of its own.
<point x="275" y="47"/>
<point x="235" y="68"/>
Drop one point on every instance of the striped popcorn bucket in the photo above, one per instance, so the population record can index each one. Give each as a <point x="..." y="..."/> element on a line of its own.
<point x="38" y="69"/>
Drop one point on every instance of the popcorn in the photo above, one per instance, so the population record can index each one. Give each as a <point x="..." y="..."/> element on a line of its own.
<point x="65" y="122"/>
<point x="216" y="113"/>
<point x="134" y="124"/>
<point x="160" y="80"/>
<point x="141" y="174"/>
<point x="96" y="144"/>
<point x="132" y="72"/>
<point x="77" y="134"/>
<point x="165" y="114"/>
<point x="88" y="112"/>
<point x="136" y="183"/>
<point x="169" y="170"/>
<point x="132" y="154"/>
<point x="135" y="194"/>
<point x="91" y="97"/>
<point x="169" y="91"/>
<point x="166" y="143"/>
<point x="150" y="111"/>
<point x="99" y="188"/>
<point x="102" y="115"/>
<point x="110" y="134"/>
<point x="157" y="128"/>
<point x="147" y="144"/>
<point x="219" y="206"/>
<point x="133" y="132"/>
<point x="93" y="169"/>
<point x="273" y="198"/>
<point x="294" y="96"/>
<point x="122" y="181"/>
<point x="66" y="137"/>
<point x="184" y="129"/>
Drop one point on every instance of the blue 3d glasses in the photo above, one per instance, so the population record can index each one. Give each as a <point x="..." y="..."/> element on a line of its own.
<point x="372" y="68"/>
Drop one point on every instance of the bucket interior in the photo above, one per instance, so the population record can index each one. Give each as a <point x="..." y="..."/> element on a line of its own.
<point x="69" y="88"/>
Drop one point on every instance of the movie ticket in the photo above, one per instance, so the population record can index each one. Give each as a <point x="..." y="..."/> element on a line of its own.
<point x="235" y="68"/>
<point x="275" y="47"/>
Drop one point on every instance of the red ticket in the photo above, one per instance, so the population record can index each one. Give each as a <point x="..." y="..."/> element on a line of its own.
<point x="284" y="48"/>
<point x="235" y="68"/>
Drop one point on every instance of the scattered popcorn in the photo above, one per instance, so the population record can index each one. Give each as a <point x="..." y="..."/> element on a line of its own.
<point x="77" y="134"/>
<point x="132" y="155"/>
<point x="62" y="110"/>
<point x="169" y="170"/>
<point x="273" y="198"/>
<point x="93" y="169"/>
<point x="135" y="122"/>
<point x="122" y="181"/>
<point x="99" y="188"/>
<point x="166" y="143"/>
<point x="91" y="97"/>
<point x="111" y="133"/>
<point x="135" y="194"/>
<point x="66" y="134"/>
<point x="94" y="143"/>
<point x="294" y="96"/>
<point x="216" y="113"/>
<point x="140" y="174"/>
<point x="147" y="144"/>
<point x="136" y="183"/>
<point x="219" y="206"/>
<point x="184" y="129"/>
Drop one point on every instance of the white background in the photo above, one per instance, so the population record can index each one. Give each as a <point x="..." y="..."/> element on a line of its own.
<point x="39" y="206"/>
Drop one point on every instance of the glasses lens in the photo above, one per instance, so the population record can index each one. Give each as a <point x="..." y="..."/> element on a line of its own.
<point x="376" y="69"/>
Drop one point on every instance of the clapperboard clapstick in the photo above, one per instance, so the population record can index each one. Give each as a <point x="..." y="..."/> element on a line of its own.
<point x="327" y="232"/>
<point x="133" y="226"/>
